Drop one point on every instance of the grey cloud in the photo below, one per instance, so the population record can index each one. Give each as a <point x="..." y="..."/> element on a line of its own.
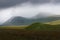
<point x="57" y="1"/>
<point x="40" y="1"/>
<point x="9" y="3"/>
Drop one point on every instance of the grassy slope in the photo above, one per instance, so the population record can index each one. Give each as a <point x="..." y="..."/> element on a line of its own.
<point x="57" y="22"/>
<point x="10" y="32"/>
<point x="36" y="26"/>
<point x="13" y="27"/>
<point x="40" y="26"/>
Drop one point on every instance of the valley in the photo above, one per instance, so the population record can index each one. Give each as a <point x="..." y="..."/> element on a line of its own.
<point x="21" y="28"/>
<point x="34" y="31"/>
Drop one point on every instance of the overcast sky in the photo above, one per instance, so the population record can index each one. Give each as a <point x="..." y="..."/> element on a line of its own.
<point x="27" y="8"/>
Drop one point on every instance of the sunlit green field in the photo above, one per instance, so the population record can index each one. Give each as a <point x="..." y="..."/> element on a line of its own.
<point x="57" y="22"/>
<point x="13" y="27"/>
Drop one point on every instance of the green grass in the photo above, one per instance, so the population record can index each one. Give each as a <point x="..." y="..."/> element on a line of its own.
<point x="13" y="27"/>
<point x="57" y="22"/>
<point x="41" y="26"/>
<point x="35" y="31"/>
<point x="36" y="26"/>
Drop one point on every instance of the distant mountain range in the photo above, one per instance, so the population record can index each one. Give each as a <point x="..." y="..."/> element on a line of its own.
<point x="17" y="20"/>
<point x="42" y="15"/>
<point x="48" y="19"/>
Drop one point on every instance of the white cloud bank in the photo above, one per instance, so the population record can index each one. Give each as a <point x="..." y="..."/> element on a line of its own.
<point x="28" y="10"/>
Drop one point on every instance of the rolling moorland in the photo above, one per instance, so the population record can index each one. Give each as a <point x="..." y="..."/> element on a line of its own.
<point x="35" y="31"/>
<point x="39" y="29"/>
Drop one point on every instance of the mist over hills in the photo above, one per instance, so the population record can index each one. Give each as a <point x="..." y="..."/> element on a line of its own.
<point x="42" y="15"/>
<point x="47" y="19"/>
<point x="27" y="8"/>
<point x="18" y="20"/>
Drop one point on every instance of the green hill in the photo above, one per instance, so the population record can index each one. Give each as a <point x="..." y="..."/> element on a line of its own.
<point x="37" y="26"/>
<point x="57" y="22"/>
<point x="41" y="26"/>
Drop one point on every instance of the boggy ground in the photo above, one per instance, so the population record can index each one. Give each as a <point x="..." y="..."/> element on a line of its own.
<point x="18" y="34"/>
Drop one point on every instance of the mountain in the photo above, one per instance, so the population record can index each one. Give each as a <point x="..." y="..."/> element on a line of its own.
<point x="46" y="18"/>
<point x="42" y="15"/>
<point x="17" y="21"/>
<point x="27" y="21"/>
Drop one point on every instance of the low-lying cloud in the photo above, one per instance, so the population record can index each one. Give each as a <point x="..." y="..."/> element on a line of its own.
<point x="28" y="10"/>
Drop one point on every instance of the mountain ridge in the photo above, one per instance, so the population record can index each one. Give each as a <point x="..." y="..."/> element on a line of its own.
<point x="25" y="21"/>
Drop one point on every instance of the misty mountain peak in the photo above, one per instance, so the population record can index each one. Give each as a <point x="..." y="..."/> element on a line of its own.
<point x="17" y="20"/>
<point x="43" y="15"/>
